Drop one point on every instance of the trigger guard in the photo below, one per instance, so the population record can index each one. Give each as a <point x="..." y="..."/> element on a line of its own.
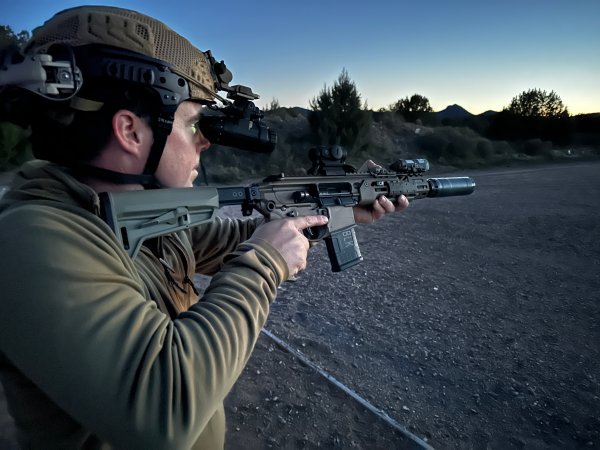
<point x="315" y="233"/>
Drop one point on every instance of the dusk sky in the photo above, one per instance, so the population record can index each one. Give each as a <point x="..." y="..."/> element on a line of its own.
<point x="477" y="54"/>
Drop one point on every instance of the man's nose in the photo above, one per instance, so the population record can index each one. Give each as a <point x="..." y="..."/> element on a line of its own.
<point x="203" y="143"/>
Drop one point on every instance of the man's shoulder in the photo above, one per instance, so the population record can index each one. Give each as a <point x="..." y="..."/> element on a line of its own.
<point x="31" y="211"/>
<point x="41" y="221"/>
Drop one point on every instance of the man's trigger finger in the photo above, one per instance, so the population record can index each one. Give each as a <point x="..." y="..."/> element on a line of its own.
<point x="311" y="221"/>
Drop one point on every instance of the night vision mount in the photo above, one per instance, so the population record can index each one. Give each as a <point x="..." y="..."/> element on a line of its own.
<point x="239" y="122"/>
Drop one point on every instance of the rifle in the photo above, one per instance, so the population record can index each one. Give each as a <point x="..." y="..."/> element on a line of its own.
<point x="331" y="188"/>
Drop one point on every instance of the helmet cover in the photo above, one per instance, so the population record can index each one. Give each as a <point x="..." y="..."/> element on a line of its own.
<point x="132" y="31"/>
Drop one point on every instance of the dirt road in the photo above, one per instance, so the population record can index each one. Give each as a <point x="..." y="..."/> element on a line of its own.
<point x="473" y="322"/>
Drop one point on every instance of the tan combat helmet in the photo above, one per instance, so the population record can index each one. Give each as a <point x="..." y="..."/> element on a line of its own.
<point x="131" y="31"/>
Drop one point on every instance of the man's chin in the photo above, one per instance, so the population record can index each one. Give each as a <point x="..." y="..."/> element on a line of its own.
<point x="189" y="183"/>
<point x="193" y="177"/>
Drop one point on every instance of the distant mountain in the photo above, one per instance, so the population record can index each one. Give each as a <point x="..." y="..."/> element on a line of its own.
<point x="589" y="115"/>
<point x="298" y="110"/>
<point x="488" y="113"/>
<point x="453" y="112"/>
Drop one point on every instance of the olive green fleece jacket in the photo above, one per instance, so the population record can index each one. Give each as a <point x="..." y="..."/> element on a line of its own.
<point x="101" y="351"/>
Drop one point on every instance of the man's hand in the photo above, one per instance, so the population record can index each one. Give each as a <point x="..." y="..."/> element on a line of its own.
<point x="381" y="206"/>
<point x="286" y="236"/>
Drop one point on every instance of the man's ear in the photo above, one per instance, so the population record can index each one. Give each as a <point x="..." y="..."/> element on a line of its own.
<point x="131" y="132"/>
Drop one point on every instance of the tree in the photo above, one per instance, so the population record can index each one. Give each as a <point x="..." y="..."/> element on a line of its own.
<point x="272" y="106"/>
<point x="538" y="103"/>
<point x="412" y="108"/>
<point x="533" y="114"/>
<point x="8" y="37"/>
<point x="338" y="116"/>
<point x="14" y="141"/>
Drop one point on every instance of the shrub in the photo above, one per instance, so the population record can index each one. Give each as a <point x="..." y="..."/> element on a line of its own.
<point x="485" y="150"/>
<point x="15" y="147"/>
<point x="460" y="147"/>
<point x="536" y="147"/>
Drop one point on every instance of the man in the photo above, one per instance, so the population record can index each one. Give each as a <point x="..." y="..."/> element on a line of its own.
<point x="98" y="350"/>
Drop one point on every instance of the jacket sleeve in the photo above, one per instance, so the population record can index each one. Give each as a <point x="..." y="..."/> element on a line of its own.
<point x="213" y="241"/>
<point x="75" y="321"/>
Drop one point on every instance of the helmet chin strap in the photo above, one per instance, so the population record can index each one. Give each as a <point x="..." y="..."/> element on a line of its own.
<point x="161" y="129"/>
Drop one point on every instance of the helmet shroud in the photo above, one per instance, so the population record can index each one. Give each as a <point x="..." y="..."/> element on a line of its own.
<point x="128" y="30"/>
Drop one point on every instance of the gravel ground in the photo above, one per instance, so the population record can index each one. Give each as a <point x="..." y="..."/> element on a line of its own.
<point x="473" y="323"/>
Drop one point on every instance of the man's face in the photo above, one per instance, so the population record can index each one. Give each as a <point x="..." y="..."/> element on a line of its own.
<point x="181" y="157"/>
